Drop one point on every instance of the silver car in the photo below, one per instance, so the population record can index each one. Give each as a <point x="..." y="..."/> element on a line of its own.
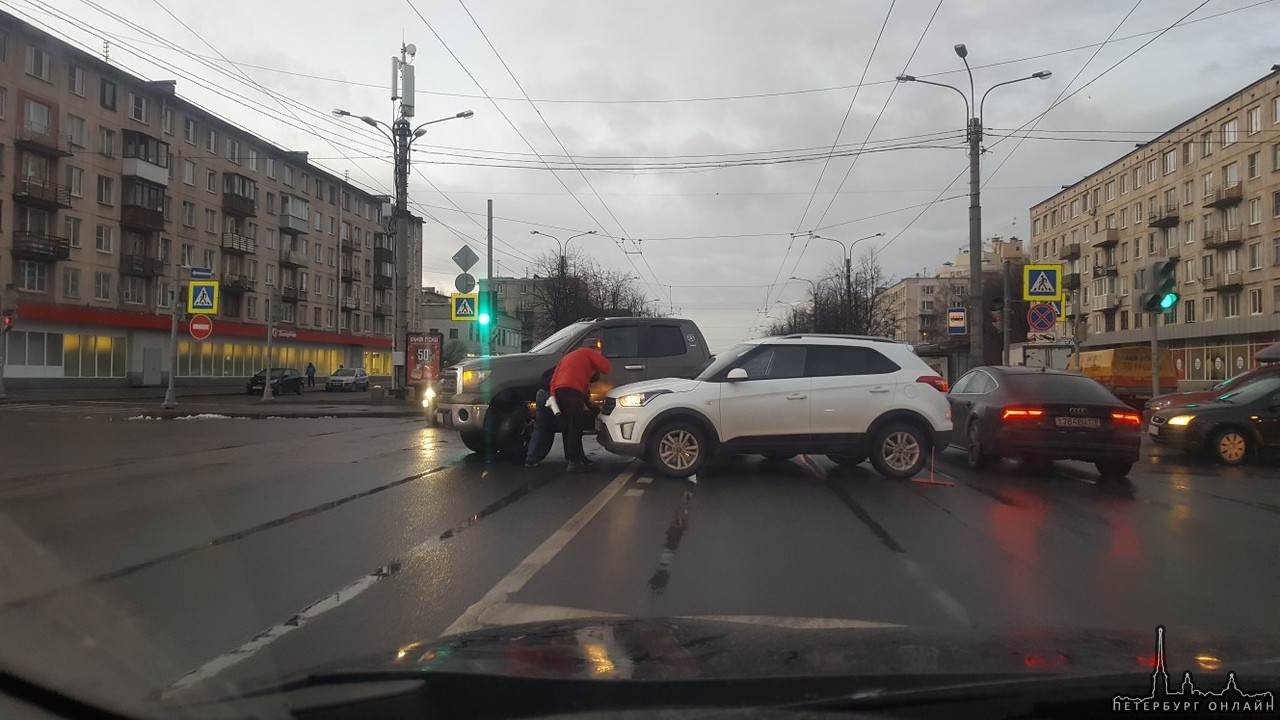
<point x="348" y="379"/>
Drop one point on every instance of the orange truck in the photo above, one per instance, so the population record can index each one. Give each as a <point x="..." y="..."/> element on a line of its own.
<point x="1126" y="371"/>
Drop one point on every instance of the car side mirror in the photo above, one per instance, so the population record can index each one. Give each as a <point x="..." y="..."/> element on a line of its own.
<point x="736" y="374"/>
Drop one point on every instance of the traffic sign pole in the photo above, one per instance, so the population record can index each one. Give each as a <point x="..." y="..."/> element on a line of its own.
<point x="170" y="395"/>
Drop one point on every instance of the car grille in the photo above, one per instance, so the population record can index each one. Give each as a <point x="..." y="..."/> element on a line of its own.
<point x="1157" y="420"/>
<point x="609" y="405"/>
<point x="449" y="383"/>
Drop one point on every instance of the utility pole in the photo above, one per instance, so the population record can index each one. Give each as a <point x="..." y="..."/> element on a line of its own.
<point x="4" y="342"/>
<point x="272" y="304"/>
<point x="178" y="296"/>
<point x="488" y="285"/>
<point x="1155" y="355"/>
<point x="1004" y="310"/>
<point x="848" y="294"/>
<point x="977" y="355"/>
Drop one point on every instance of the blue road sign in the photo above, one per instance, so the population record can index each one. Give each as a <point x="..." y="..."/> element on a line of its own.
<point x="1042" y="283"/>
<point x="201" y="273"/>
<point x="957" y="321"/>
<point x="1041" y="318"/>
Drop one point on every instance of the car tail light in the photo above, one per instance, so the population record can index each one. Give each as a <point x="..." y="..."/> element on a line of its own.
<point x="1016" y="413"/>
<point x="937" y="382"/>
<point x="1127" y="418"/>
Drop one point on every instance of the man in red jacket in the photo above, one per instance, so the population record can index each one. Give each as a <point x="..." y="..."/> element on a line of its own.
<point x="571" y="387"/>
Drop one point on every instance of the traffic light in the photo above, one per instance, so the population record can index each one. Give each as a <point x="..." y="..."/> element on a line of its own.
<point x="1160" y="287"/>
<point x="8" y="320"/>
<point x="484" y="313"/>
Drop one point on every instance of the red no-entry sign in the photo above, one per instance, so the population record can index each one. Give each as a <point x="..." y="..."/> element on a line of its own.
<point x="200" y="327"/>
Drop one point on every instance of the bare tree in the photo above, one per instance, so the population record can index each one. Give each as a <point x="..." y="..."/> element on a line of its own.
<point x="454" y="352"/>
<point x="580" y="288"/>
<point x="860" y="308"/>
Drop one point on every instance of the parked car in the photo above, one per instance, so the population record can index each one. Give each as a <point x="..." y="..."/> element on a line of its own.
<point x="283" y="380"/>
<point x="1042" y="414"/>
<point x="1183" y="399"/>
<point x="848" y="397"/>
<point x="1231" y="428"/>
<point x="348" y="379"/>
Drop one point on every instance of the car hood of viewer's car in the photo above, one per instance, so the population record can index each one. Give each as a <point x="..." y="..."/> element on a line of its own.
<point x="675" y="385"/>
<point x="721" y="647"/>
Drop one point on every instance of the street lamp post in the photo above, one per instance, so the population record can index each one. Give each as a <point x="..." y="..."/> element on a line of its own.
<point x="563" y="246"/>
<point x="973" y="132"/>
<point x="401" y="138"/>
<point x="813" y="300"/>
<point x="848" y="273"/>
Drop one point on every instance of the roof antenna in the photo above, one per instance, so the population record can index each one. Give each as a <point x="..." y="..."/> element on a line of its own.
<point x="106" y="50"/>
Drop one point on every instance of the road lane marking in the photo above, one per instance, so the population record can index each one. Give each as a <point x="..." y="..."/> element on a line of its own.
<point x="271" y="634"/>
<point x="633" y="492"/>
<point x="644" y="480"/>
<point x="539" y="558"/>
<point x="949" y="604"/>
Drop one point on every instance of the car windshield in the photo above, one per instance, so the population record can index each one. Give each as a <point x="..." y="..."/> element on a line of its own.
<point x="202" y="203"/>
<point x="1056" y="388"/>
<point x="1251" y="391"/>
<point x="725" y="360"/>
<point x="559" y="340"/>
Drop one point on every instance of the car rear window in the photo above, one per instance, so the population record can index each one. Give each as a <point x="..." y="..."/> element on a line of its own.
<point x="1057" y="388"/>
<point x="828" y="360"/>
<point x="664" y="341"/>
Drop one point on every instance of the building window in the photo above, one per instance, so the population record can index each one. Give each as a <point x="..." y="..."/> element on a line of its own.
<point x="70" y="282"/>
<point x="1231" y="305"/>
<point x="288" y="175"/>
<point x="252" y="156"/>
<point x="75" y="130"/>
<point x="188" y="214"/>
<point x="211" y="181"/>
<point x="166" y="120"/>
<point x="189" y="131"/>
<point x="189" y="172"/>
<point x="133" y="290"/>
<point x="1254" y="164"/>
<point x="1110" y="190"/>
<point x="1230" y="135"/>
<point x="188" y="255"/>
<point x="33" y="276"/>
<point x="38" y="63"/>
<point x="104" y="237"/>
<point x="1170" y="161"/>
<point x="107" y="94"/>
<point x="271" y="274"/>
<point x="271" y="168"/>
<point x="106" y="190"/>
<point x="1187" y="153"/>
<point x="1255" y="301"/>
<point x="1206" y="309"/>
<point x="1153" y="170"/>
<point x="75" y="181"/>
<point x="138" y="108"/>
<point x="252" y="308"/>
<point x="233" y="151"/>
<point x="1206" y="143"/>
<point x="1188" y="311"/>
<point x="1206" y="185"/>
<point x="210" y="257"/>
<point x="1255" y="211"/>
<point x="101" y="286"/>
<point x="210" y="221"/>
<point x="72" y="228"/>
<point x="1255" y="256"/>
<point x="211" y="140"/>
<point x="106" y="142"/>
<point x="75" y="80"/>
<point x="1255" y="119"/>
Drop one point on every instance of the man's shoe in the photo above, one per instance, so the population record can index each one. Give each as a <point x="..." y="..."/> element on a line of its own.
<point x="588" y="461"/>
<point x="531" y="463"/>
<point x="574" y="467"/>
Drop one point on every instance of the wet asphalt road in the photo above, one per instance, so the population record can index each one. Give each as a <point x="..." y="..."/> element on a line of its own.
<point x="144" y="557"/>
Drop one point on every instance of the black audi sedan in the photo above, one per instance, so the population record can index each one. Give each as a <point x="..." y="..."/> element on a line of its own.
<point x="1230" y="428"/>
<point x="283" y="380"/>
<point x="1042" y="415"/>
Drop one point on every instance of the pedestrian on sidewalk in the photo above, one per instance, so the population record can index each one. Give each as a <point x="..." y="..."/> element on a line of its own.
<point x="571" y="388"/>
<point x="544" y="423"/>
<point x="311" y="375"/>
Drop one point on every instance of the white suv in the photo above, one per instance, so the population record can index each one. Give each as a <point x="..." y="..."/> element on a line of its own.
<point x="848" y="397"/>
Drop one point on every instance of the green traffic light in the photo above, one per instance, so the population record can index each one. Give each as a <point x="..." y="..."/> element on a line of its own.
<point x="483" y="318"/>
<point x="1168" y="300"/>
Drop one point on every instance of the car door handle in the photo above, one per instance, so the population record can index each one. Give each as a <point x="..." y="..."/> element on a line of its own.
<point x="797" y="396"/>
<point x="880" y="389"/>
<point x="633" y="367"/>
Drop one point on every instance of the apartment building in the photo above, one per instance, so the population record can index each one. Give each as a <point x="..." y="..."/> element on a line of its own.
<point x="1207" y="192"/>
<point x="117" y="187"/>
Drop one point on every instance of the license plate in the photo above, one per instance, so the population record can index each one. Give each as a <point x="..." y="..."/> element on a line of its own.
<point x="1077" y="422"/>
<point x="1153" y="430"/>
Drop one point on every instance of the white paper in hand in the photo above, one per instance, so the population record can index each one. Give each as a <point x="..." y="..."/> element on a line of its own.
<point x="552" y="405"/>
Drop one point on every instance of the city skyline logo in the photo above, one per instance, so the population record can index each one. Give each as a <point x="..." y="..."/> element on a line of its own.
<point x="1189" y="698"/>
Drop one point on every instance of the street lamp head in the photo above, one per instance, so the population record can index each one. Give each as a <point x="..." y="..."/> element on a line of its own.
<point x="879" y="234"/>
<point x="368" y="120"/>
<point x="906" y="78"/>
<point x="962" y="51"/>
<point x="464" y="114"/>
<point x="1043" y="74"/>
<point x="419" y="133"/>
<point x="339" y="112"/>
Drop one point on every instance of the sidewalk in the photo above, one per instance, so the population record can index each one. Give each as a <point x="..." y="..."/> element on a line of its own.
<point x="228" y="400"/>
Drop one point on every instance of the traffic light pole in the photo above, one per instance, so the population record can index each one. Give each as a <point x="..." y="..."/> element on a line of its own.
<point x="1004" y="311"/>
<point x="4" y="346"/>
<point x="1155" y="355"/>
<point x="170" y="395"/>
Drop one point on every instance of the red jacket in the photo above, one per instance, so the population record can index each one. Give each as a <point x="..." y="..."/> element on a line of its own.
<point x="575" y="370"/>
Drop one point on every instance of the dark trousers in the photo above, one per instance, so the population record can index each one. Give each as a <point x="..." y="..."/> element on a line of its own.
<point x="573" y="420"/>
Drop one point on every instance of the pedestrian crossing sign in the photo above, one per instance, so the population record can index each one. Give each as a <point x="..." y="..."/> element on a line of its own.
<point x="1042" y="283"/>
<point x="202" y="297"/>
<point x="464" y="306"/>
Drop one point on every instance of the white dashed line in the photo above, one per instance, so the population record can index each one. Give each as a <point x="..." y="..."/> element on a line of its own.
<point x="633" y="492"/>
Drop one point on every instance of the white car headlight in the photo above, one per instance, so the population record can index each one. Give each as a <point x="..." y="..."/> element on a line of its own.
<point x="640" y="399"/>
<point x="1181" y="419"/>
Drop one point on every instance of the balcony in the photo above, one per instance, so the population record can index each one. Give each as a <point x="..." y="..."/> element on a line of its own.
<point x="237" y="283"/>
<point x="350" y="303"/>
<point x="1223" y="238"/>
<point x="382" y="310"/>
<point x="40" y="247"/>
<point x="239" y="243"/>
<point x="42" y="139"/>
<point x="289" y="293"/>
<point x="292" y="258"/>
<point x="241" y="206"/>
<point x="145" y="169"/>
<point x="382" y="282"/>
<point x="1225" y="196"/>
<point x="141" y="265"/>
<point x="142" y="218"/>
<point x="1163" y="217"/>
<point x="350" y="245"/>
<point x="1107" y="268"/>
<point x="927" y="312"/>
<point x="293" y="225"/>
<point x="350" y="275"/>
<point x="1071" y="281"/>
<point x="1107" y="238"/>
<point x="1070" y="251"/>
<point x="1107" y="302"/>
<point x="42" y="194"/>
<point x="1224" y="282"/>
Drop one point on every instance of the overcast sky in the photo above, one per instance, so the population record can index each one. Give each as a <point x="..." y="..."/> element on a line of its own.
<point x="645" y="86"/>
